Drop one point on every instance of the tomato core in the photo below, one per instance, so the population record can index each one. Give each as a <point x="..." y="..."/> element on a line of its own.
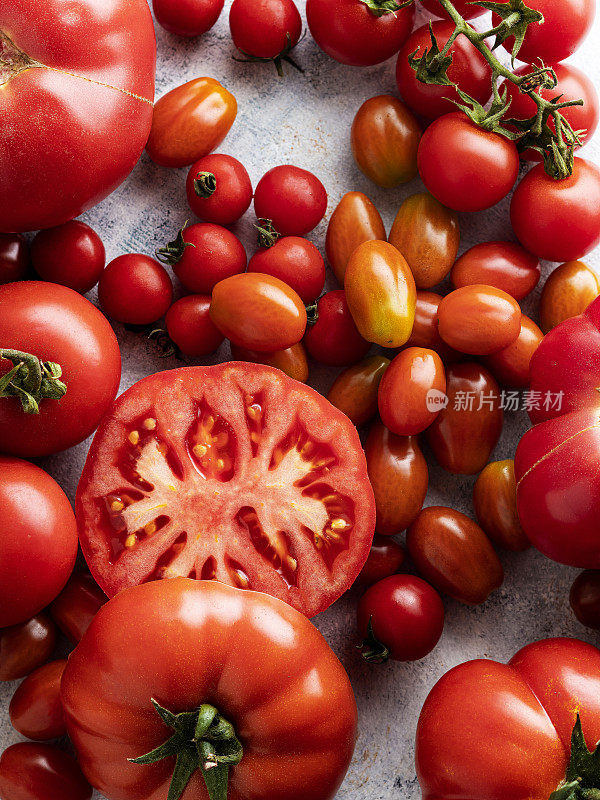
<point x="12" y="59"/>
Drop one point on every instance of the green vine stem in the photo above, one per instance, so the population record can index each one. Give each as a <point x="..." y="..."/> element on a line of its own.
<point x="31" y="380"/>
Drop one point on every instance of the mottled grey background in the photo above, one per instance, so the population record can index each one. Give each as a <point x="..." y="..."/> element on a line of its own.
<point x="305" y="120"/>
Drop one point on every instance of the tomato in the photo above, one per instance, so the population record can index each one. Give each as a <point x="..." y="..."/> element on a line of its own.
<point x="35" y="709"/>
<point x="354" y="32"/>
<point x="91" y="95"/>
<point x="294" y="261"/>
<point x="135" y="289"/>
<point x="292" y="360"/>
<point x="333" y="338"/>
<point x="454" y="554"/>
<point x="464" y="7"/>
<point x="479" y="319"/>
<point x="511" y="366"/>
<point x="401" y="617"/>
<point x="585" y="598"/>
<point x="467" y="429"/>
<point x="399" y="477"/>
<point x="354" y="221"/>
<point x="505" y="265"/>
<point x="558" y="220"/>
<point x="427" y="234"/>
<point x="14" y="257"/>
<point x="464" y="166"/>
<point x="425" y="329"/>
<point x="270" y="478"/>
<point x="190" y="121"/>
<point x="270" y="674"/>
<point x="190" y="327"/>
<point x="187" y="17"/>
<point x="77" y="605"/>
<point x="219" y="189"/>
<point x="385" y="558"/>
<point x="50" y="774"/>
<point x="567" y="293"/>
<point x="354" y="391"/>
<point x="71" y="254"/>
<point x="495" y="503"/>
<point x="469" y="70"/>
<point x="293" y="199"/>
<point x="381" y="293"/>
<point x="26" y="646"/>
<point x="265" y="29"/>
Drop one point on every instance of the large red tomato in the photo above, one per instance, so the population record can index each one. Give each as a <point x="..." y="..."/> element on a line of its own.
<point x="77" y="79"/>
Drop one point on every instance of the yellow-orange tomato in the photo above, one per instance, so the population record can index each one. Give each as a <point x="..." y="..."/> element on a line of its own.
<point x="385" y="138"/>
<point x="354" y="221"/>
<point x="511" y="365"/>
<point x="292" y="360"/>
<point x="495" y="502"/>
<point x="190" y="121"/>
<point x="427" y="235"/>
<point x="355" y="389"/>
<point x="381" y="294"/>
<point x="567" y="293"/>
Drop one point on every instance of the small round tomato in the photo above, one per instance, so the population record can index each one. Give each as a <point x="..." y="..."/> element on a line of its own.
<point x="51" y="774"/>
<point x="77" y="605"/>
<point x="14" y="257"/>
<point x="495" y="503"/>
<point x="293" y="199"/>
<point x="71" y="254"/>
<point x="219" y="189"/>
<point x="334" y="339"/>
<point x="381" y="293"/>
<point x="135" y="289"/>
<point x="294" y="261"/>
<point x="354" y="221"/>
<point x="35" y="709"/>
<point x="464" y="166"/>
<point x="190" y="121"/>
<point x="292" y="360"/>
<point x="385" y="138"/>
<point x="425" y="329"/>
<point x="265" y="29"/>
<point x="399" y="477"/>
<point x="567" y="293"/>
<point x="427" y="234"/>
<point x="26" y="646"/>
<point x="465" y="8"/>
<point x="585" y="598"/>
<point x="401" y="617"/>
<point x="187" y="17"/>
<point x="355" y="390"/>
<point x="510" y="366"/>
<point x="385" y="558"/>
<point x="190" y="327"/>
<point x="505" y="265"/>
<point x="454" y="554"/>
<point x="479" y="319"/>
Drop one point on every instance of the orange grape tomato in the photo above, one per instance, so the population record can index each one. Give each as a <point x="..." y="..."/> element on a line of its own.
<point x="292" y="360"/>
<point x="567" y="293"/>
<point x="495" y="503"/>
<point x="354" y="221"/>
<point x="511" y="365"/>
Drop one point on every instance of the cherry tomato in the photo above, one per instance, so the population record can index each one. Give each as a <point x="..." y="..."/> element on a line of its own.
<point x="495" y="503"/>
<point x="334" y="338"/>
<point x="355" y="389"/>
<point x="505" y="265"/>
<point x="292" y="360"/>
<point x="219" y="189"/>
<point x="466" y="431"/>
<point x="187" y="17"/>
<point x="77" y="605"/>
<point x="567" y="293"/>
<point x="190" y="327"/>
<point x="401" y="617"/>
<point x="14" y="257"/>
<point x="381" y="293"/>
<point x="399" y="477"/>
<point x="425" y="329"/>
<point x="294" y="261"/>
<point x="469" y="70"/>
<point x="385" y="137"/>
<point x="558" y="220"/>
<point x="354" y="221"/>
<point x="464" y="7"/>
<point x="71" y="254"/>
<point x="454" y="554"/>
<point x="293" y="199"/>
<point x="510" y="366"/>
<point x="50" y="774"/>
<point x="427" y="234"/>
<point x="585" y="598"/>
<point x="35" y="709"/>
<point x="265" y="29"/>
<point x="135" y="289"/>
<point x="26" y="646"/>
<point x="464" y="166"/>
<point x="190" y="121"/>
<point x="385" y="558"/>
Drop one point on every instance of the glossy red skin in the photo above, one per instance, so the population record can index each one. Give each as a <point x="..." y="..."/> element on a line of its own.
<point x="385" y="559"/>
<point x="56" y="324"/>
<point x="190" y="327"/>
<point x="135" y="289"/>
<point x="187" y="17"/>
<point x="40" y="772"/>
<point x="465" y="167"/>
<point x="35" y="709"/>
<point x="294" y="261"/>
<point x="355" y="220"/>
<point x="292" y="360"/>
<point x="334" y="338"/>
<point x="355" y="390"/>
<point x="71" y="254"/>
<point x="512" y="365"/>
<point x="77" y="605"/>
<point x="505" y="265"/>
<point x="469" y="70"/>
<point x="425" y="329"/>
<point x="585" y="598"/>
<point x="14" y="257"/>
<point x="26" y="646"/>
<point x="406" y="615"/>
<point x="271" y="674"/>
<point x="294" y="200"/>
<point x="216" y="254"/>
<point x="348" y="32"/>
<point x="490" y="731"/>
<point x="264" y="28"/>
<point x="92" y="105"/>
<point x="233" y="195"/>
<point x="463" y="7"/>
<point x="558" y="220"/>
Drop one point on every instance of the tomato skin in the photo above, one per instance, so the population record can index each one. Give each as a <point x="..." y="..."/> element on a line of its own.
<point x="233" y="193"/>
<point x="71" y="254"/>
<point x="35" y="709"/>
<point x="505" y="265"/>
<point x="385" y="558"/>
<point x="585" y="598"/>
<point x="77" y="605"/>
<point x="26" y="646"/>
<point x="463" y="7"/>
<point x="354" y="391"/>
<point x="14" y="257"/>
<point x="334" y="338"/>
<point x="425" y="331"/>
<point x="135" y="289"/>
<point x="264" y="28"/>
<point x="187" y="18"/>
<point x="214" y="254"/>
<point x="354" y="221"/>
<point x="294" y="200"/>
<point x="294" y="261"/>
<point x="511" y="366"/>
<point x="190" y="327"/>
<point x="567" y="293"/>
<point x="190" y="121"/>
<point x="495" y="504"/>
<point x="292" y="361"/>
<point x="50" y="774"/>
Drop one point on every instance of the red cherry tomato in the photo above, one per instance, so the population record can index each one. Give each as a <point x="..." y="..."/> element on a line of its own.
<point x="334" y="338"/>
<point x="26" y="646"/>
<point x="294" y="200"/>
<point x="51" y="774"/>
<point x="14" y="257"/>
<point x="135" y="289"/>
<point x="510" y="366"/>
<point x="585" y="598"/>
<point x="355" y="389"/>
<point x="190" y="327"/>
<point x="292" y="360"/>
<point x="294" y="261"/>
<point x="385" y="558"/>
<point x="464" y="8"/>
<point x="187" y="17"/>
<point x="505" y="265"/>
<point x="35" y="709"/>
<point x="265" y="29"/>
<point x="567" y="293"/>
<point x="71" y="254"/>
<point x="495" y="504"/>
<point x="219" y="189"/>
<point x="77" y="605"/>
<point x="425" y="329"/>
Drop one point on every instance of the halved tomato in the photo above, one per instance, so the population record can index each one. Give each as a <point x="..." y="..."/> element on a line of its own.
<point x="235" y="473"/>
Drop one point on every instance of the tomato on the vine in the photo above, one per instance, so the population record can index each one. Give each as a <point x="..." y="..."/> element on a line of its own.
<point x="567" y="293"/>
<point x="385" y="558"/>
<point x="354" y="221"/>
<point x="265" y="29"/>
<point x="14" y="257"/>
<point x="293" y="360"/>
<point x="135" y="289"/>
<point x="71" y="254"/>
<point x="191" y="328"/>
<point x="77" y="605"/>
<point x="354" y="391"/>
<point x="293" y="199"/>
<point x="187" y="18"/>
<point x="219" y="189"/>
<point x="334" y="338"/>
<point x="51" y="774"/>
<point x="26" y="646"/>
<point x="35" y="709"/>
<point x="505" y="265"/>
<point x="295" y="261"/>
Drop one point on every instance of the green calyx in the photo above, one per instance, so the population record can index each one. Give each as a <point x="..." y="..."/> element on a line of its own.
<point x="267" y="235"/>
<point x="31" y="380"/>
<point x="372" y="650"/>
<point x="380" y="7"/>
<point x="203" y="740"/>
<point x="582" y="781"/>
<point x="205" y="184"/>
<point x="173" y="252"/>
<point x="516" y="18"/>
<point x="278" y="59"/>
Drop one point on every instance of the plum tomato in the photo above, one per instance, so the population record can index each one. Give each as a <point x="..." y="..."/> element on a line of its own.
<point x="495" y="504"/>
<point x="505" y="265"/>
<point x="293" y="199"/>
<point x="465" y="8"/>
<point x="567" y="293"/>
<point x="51" y="774"/>
<point x="265" y="29"/>
<point x="354" y="391"/>
<point x="293" y="360"/>
<point x="399" y="477"/>
<point x="14" y="257"/>
<point x="354" y="221"/>
<point x="135" y="289"/>
<point x="191" y="328"/>
<point x="295" y="261"/>
<point x="479" y="319"/>
<point x="510" y="366"/>
<point x="585" y="598"/>
<point x="219" y="189"/>
<point x="401" y="617"/>
<point x="454" y="554"/>
<point x="71" y="254"/>
<point x="385" y="138"/>
<point x="26" y="646"/>
<point x="334" y="339"/>
<point x="233" y="472"/>
<point x="381" y="293"/>
<point x="427" y="234"/>
<point x="35" y="709"/>
<point x="77" y="605"/>
<point x="425" y="329"/>
<point x="385" y="558"/>
<point x="187" y="18"/>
